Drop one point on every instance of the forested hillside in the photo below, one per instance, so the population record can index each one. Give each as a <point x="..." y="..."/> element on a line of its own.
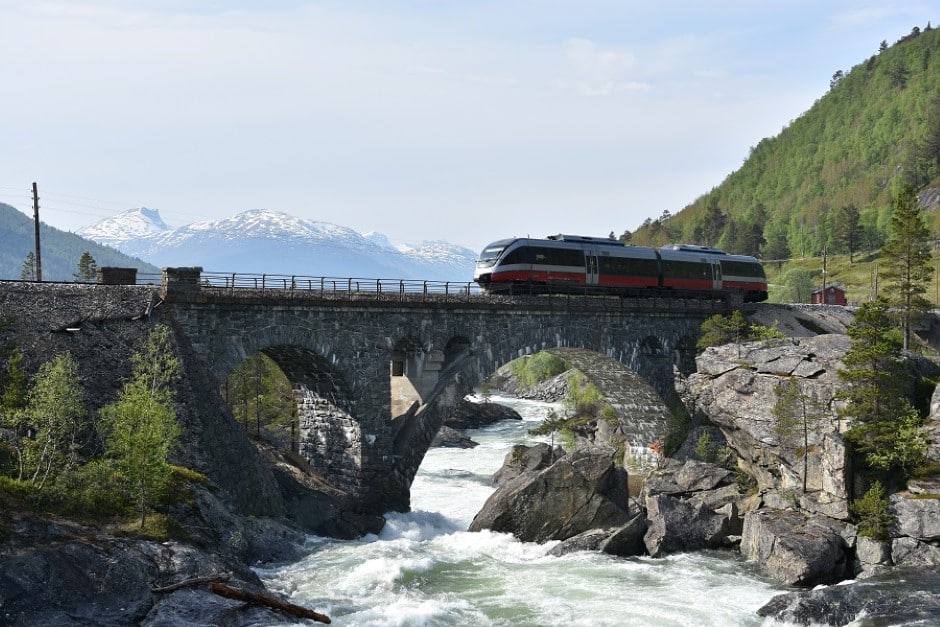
<point x="825" y="183"/>
<point x="61" y="251"/>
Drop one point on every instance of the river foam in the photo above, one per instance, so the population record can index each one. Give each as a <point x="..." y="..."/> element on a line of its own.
<point x="425" y="569"/>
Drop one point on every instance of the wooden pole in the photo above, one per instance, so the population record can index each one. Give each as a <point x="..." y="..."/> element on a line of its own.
<point x="36" y="221"/>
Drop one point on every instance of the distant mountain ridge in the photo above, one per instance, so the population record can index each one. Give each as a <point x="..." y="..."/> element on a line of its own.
<point x="262" y="241"/>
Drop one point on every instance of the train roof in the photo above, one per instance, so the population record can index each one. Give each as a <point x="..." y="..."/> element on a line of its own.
<point x="586" y="239"/>
<point x="694" y="248"/>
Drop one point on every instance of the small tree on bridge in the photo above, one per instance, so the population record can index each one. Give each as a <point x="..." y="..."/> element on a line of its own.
<point x="87" y="268"/>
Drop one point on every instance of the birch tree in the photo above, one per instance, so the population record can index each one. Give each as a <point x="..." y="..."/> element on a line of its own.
<point x="141" y="425"/>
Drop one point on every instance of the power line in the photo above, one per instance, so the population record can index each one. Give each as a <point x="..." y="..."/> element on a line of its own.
<point x="97" y="208"/>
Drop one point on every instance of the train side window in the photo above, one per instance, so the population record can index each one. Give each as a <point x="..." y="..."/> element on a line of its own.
<point x="742" y="268"/>
<point x="687" y="269"/>
<point x="559" y="256"/>
<point x="626" y="266"/>
<point x="519" y="255"/>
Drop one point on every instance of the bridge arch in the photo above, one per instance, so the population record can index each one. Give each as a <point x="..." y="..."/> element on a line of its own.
<point x="328" y="435"/>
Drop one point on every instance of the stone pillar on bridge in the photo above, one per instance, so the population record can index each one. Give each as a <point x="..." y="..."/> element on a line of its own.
<point x="181" y="281"/>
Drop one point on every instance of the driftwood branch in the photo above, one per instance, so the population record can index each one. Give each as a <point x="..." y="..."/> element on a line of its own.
<point x="194" y="581"/>
<point x="267" y="600"/>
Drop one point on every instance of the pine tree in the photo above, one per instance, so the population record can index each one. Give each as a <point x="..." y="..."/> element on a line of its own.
<point x="848" y="230"/>
<point x="29" y="268"/>
<point x="796" y="416"/>
<point x="142" y="427"/>
<point x="87" y="268"/>
<point x="14" y="384"/>
<point x="874" y="396"/>
<point x="872" y="366"/>
<point x="906" y="260"/>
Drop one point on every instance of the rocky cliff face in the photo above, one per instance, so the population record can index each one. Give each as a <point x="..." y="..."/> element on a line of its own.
<point x="734" y="386"/>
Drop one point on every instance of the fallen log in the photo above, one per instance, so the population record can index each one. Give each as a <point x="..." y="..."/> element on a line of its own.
<point x="255" y="598"/>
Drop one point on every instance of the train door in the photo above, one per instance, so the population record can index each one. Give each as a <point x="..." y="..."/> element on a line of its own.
<point x="716" y="274"/>
<point x="591" y="266"/>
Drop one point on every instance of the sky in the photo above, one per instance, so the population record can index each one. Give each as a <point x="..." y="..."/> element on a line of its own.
<point x="455" y="120"/>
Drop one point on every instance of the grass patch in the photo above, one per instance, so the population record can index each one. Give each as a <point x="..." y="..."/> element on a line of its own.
<point x="533" y="369"/>
<point x="157" y="527"/>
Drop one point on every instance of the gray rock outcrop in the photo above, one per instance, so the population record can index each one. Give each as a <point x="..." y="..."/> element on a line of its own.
<point x="526" y="460"/>
<point x="581" y="491"/>
<point x="65" y="575"/>
<point x="470" y="415"/>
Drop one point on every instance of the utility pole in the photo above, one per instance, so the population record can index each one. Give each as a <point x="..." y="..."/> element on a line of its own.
<point x="822" y="300"/>
<point x="36" y="220"/>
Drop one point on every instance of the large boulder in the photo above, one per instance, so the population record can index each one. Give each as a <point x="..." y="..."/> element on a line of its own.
<point x="916" y="515"/>
<point x="676" y="526"/>
<point x="795" y="548"/>
<point x="447" y="437"/>
<point x="690" y="506"/>
<point x="581" y="491"/>
<point x="625" y="541"/>
<point x="526" y="460"/>
<point x="470" y="415"/>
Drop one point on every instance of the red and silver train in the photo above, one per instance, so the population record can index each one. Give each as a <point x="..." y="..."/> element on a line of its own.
<point x="569" y="263"/>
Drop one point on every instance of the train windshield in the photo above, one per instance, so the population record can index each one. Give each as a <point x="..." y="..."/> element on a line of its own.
<point x="490" y="254"/>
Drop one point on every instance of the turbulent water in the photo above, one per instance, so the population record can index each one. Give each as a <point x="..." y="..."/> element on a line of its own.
<point x="424" y="568"/>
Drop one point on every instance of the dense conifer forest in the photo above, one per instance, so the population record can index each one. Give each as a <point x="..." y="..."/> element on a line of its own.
<point x="824" y="185"/>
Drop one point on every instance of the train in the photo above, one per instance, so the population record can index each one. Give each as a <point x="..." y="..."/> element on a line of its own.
<point x="599" y="265"/>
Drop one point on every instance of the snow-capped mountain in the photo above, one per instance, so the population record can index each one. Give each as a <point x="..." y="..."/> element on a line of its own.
<point x="271" y="242"/>
<point x="129" y="225"/>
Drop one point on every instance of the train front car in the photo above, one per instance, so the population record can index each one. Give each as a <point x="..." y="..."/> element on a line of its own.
<point x="531" y="266"/>
<point x="486" y="266"/>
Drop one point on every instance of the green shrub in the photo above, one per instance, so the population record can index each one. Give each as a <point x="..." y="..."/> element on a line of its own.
<point x="704" y="450"/>
<point x="534" y="369"/>
<point x="872" y="515"/>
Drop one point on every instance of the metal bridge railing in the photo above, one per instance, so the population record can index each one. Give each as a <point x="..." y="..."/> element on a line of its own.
<point x="335" y="285"/>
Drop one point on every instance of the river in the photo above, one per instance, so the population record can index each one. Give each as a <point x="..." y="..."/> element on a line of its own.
<point x="425" y="568"/>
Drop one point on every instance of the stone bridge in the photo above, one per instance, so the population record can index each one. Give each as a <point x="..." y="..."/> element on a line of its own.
<point x="374" y="375"/>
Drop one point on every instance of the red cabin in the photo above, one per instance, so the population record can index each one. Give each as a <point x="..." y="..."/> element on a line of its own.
<point x="830" y="295"/>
